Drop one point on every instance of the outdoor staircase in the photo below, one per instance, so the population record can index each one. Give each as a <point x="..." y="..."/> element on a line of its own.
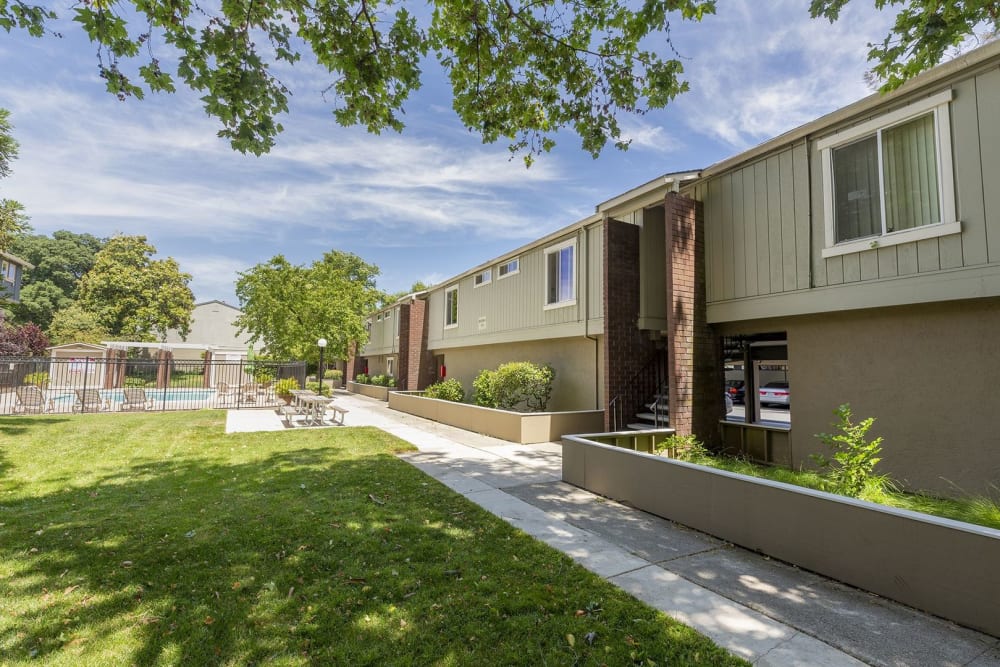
<point x="656" y="414"/>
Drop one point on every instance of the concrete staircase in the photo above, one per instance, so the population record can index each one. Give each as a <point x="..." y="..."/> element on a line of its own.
<point x="656" y="414"/>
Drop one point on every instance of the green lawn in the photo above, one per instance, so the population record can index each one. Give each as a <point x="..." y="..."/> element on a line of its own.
<point x="155" y="539"/>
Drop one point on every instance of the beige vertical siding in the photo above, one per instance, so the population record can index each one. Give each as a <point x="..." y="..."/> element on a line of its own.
<point x="507" y="307"/>
<point x="765" y="226"/>
<point x="382" y="338"/>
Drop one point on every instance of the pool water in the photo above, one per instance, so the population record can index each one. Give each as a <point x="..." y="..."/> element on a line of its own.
<point x="167" y="396"/>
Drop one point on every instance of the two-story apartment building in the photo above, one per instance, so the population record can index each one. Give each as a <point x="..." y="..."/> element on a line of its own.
<point x="11" y="271"/>
<point x="853" y="260"/>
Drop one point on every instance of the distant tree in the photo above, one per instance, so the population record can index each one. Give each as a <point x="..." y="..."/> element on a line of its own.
<point x="12" y="219"/>
<point x="290" y="307"/>
<point x="133" y="296"/>
<point x="387" y="298"/>
<point x="924" y="33"/>
<point x="73" y="324"/>
<point x="60" y="261"/>
<point x="25" y="340"/>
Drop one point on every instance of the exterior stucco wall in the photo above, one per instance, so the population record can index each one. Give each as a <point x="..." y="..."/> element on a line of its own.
<point x="927" y="373"/>
<point x="577" y="363"/>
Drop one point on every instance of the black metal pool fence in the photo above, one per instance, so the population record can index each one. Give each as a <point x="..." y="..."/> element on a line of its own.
<point x="32" y="385"/>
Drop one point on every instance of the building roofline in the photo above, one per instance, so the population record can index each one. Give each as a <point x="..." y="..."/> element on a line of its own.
<point x="980" y="57"/>
<point x="17" y="260"/>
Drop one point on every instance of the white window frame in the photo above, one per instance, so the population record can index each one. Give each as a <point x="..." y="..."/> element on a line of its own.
<point x="447" y="310"/>
<point x="551" y="250"/>
<point x="482" y="278"/>
<point x="389" y="366"/>
<point x="949" y="224"/>
<point x="510" y="271"/>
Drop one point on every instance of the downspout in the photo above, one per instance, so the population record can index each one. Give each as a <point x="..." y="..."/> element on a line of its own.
<point x="586" y="323"/>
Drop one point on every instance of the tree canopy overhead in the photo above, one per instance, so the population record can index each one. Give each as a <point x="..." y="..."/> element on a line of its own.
<point x="12" y="218"/>
<point x="520" y="71"/>
<point x="923" y="34"/>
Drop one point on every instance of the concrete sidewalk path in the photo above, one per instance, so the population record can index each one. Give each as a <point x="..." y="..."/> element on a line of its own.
<point x="765" y="611"/>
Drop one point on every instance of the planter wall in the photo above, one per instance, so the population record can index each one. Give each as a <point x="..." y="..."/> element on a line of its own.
<point x="522" y="427"/>
<point x="369" y="390"/>
<point x="947" y="568"/>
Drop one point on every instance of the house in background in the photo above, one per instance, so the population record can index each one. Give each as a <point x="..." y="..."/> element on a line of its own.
<point x="213" y="325"/>
<point x="11" y="270"/>
<point x="853" y="260"/>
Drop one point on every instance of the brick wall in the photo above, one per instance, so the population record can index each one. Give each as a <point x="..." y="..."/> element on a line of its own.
<point x="352" y="363"/>
<point x="694" y="364"/>
<point x="626" y="348"/>
<point x="420" y="362"/>
<point x="403" y="362"/>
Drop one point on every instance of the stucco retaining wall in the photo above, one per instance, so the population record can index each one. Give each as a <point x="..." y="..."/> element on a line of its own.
<point x="522" y="427"/>
<point x="369" y="390"/>
<point x="944" y="567"/>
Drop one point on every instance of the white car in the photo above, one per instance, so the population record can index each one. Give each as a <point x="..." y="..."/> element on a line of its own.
<point x="775" y="393"/>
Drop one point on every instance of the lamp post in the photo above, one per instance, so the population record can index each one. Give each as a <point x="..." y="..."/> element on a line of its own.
<point x="322" y="346"/>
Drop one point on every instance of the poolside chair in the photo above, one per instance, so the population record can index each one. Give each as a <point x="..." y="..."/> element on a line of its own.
<point x="134" y="398"/>
<point x="249" y="392"/>
<point x="224" y="393"/>
<point x="30" y="399"/>
<point x="89" y="400"/>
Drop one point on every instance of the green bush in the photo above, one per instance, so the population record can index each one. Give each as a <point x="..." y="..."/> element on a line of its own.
<point x="284" y="387"/>
<point x="383" y="380"/>
<point x="39" y="379"/>
<point x="446" y="390"/>
<point x="333" y="374"/>
<point x="683" y="448"/>
<point x="852" y="469"/>
<point x="263" y="375"/>
<point x="326" y="389"/>
<point x="361" y="378"/>
<point x="135" y="381"/>
<point x="519" y="385"/>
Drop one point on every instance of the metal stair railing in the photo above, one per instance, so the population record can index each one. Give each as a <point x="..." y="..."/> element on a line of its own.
<point x="646" y="382"/>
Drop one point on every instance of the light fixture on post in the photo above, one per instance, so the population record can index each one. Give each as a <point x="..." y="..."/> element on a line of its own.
<point x="322" y="346"/>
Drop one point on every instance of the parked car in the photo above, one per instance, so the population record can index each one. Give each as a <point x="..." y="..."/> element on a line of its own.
<point x="775" y="393"/>
<point x="736" y="390"/>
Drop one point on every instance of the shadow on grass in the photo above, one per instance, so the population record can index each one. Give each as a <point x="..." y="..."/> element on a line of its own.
<point x="305" y="555"/>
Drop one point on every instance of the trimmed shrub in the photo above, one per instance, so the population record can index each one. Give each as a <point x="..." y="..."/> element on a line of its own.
<point x="446" y="390"/>
<point x="333" y="374"/>
<point x="519" y="385"/>
<point x="361" y="378"/>
<point x="327" y="390"/>
<point x="284" y="387"/>
<point x="40" y="379"/>
<point x="135" y="381"/>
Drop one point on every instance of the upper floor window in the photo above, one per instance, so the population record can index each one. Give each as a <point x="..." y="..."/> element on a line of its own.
<point x="889" y="180"/>
<point x="508" y="268"/>
<point x="7" y="271"/>
<point x="483" y="278"/>
<point x="451" y="307"/>
<point x="560" y="274"/>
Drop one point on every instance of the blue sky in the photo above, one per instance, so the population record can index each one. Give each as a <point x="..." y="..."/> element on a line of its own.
<point x="422" y="205"/>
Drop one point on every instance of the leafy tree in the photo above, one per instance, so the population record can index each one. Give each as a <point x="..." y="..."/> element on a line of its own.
<point x="26" y="340"/>
<point x="924" y="32"/>
<point x="290" y="307"/>
<point x="12" y="218"/>
<point x="73" y="324"/>
<point x="388" y="298"/>
<point x="519" y="71"/>
<point x="60" y="261"/>
<point x="133" y="296"/>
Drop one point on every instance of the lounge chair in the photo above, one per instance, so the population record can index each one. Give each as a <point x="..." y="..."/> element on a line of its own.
<point x="224" y="393"/>
<point x="30" y="399"/>
<point x="89" y="400"/>
<point x="134" y="398"/>
<point x="249" y="393"/>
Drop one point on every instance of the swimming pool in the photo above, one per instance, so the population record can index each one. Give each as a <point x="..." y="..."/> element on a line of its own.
<point x="164" y="395"/>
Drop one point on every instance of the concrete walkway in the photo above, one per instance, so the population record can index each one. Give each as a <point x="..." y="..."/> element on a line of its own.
<point x="765" y="611"/>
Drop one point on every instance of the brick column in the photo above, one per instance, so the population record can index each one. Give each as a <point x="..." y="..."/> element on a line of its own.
<point x="626" y="349"/>
<point x="352" y="358"/>
<point x="421" y="371"/>
<point x="694" y="360"/>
